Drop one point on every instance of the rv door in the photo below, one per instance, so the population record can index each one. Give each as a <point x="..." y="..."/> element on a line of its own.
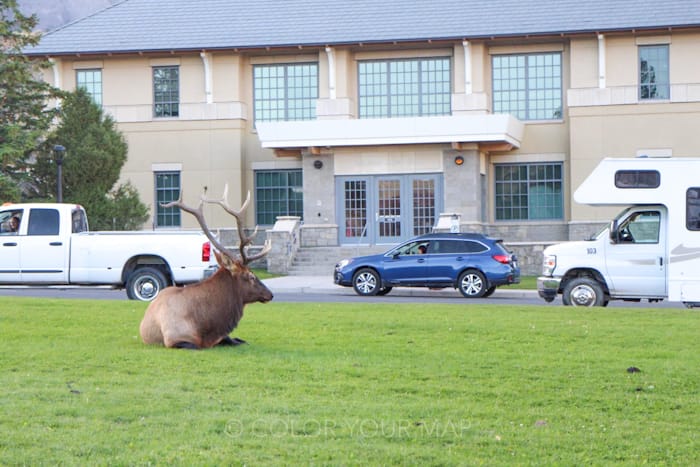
<point x="636" y="256"/>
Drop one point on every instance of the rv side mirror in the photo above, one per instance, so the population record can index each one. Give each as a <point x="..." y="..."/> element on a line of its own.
<point x="614" y="237"/>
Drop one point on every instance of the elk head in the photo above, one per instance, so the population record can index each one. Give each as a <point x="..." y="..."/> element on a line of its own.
<point x="203" y="315"/>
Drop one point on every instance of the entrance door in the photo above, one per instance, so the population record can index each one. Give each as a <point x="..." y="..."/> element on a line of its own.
<point x="387" y="209"/>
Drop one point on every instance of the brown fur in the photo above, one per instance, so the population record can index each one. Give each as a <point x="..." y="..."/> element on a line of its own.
<point x="205" y="313"/>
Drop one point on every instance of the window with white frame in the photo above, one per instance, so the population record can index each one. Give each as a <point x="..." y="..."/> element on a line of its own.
<point x="167" y="189"/>
<point x="528" y="86"/>
<point x="404" y="88"/>
<point x="654" y="81"/>
<point x="166" y="91"/>
<point x="285" y="92"/>
<point x="91" y="81"/>
<point x="278" y="193"/>
<point x="529" y="191"/>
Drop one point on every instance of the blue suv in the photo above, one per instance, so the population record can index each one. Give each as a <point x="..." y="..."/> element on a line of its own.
<point x="473" y="263"/>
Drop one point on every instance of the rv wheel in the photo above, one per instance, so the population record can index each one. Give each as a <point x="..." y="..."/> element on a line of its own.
<point x="583" y="291"/>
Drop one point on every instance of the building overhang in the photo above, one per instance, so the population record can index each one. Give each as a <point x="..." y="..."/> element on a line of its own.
<point x="501" y="132"/>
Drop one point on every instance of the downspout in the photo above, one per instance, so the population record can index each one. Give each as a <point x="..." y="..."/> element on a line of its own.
<point x="467" y="67"/>
<point x="56" y="72"/>
<point x="601" y="61"/>
<point x="330" y="53"/>
<point x="206" y="62"/>
<point x="55" y="65"/>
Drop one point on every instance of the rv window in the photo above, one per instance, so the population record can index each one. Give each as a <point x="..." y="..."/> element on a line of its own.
<point x="692" y="206"/>
<point x="641" y="227"/>
<point x="637" y="179"/>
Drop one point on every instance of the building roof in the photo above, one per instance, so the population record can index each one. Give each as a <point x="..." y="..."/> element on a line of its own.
<point x="167" y="25"/>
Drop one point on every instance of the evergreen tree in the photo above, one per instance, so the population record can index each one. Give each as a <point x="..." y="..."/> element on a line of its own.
<point x="24" y="117"/>
<point x="93" y="159"/>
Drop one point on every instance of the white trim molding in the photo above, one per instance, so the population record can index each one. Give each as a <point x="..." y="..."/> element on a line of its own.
<point x="500" y="128"/>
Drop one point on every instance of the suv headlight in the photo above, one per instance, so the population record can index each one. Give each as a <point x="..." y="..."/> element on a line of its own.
<point x="549" y="264"/>
<point x="342" y="263"/>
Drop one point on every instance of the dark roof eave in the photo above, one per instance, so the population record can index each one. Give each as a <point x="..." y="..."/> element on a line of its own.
<point x="548" y="34"/>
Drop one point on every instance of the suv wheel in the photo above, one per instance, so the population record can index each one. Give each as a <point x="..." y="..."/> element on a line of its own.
<point x="366" y="282"/>
<point x="472" y="284"/>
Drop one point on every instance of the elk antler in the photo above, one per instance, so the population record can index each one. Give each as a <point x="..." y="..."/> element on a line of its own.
<point x="245" y="240"/>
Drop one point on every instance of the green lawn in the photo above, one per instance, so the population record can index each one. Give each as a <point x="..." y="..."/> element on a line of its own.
<point x="352" y="384"/>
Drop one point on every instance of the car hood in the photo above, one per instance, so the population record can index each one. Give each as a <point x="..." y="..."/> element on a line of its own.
<point x="364" y="259"/>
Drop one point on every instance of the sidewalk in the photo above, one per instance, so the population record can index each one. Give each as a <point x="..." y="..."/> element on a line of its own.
<point x="325" y="285"/>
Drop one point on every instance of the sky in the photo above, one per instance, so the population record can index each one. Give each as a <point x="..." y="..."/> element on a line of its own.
<point x="55" y="13"/>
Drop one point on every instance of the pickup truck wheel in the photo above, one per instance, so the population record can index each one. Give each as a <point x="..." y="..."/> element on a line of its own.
<point x="366" y="282"/>
<point x="144" y="284"/>
<point x="583" y="291"/>
<point x="472" y="284"/>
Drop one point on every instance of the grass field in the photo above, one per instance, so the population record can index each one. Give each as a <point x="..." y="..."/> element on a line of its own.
<point x="352" y="384"/>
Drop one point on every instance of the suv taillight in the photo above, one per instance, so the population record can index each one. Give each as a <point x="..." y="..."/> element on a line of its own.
<point x="504" y="259"/>
<point x="206" y="252"/>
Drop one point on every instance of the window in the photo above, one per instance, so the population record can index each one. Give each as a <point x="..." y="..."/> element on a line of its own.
<point x="285" y="92"/>
<point x="78" y="221"/>
<point x="529" y="191"/>
<point x="43" y="222"/>
<point x="404" y="88"/>
<point x="641" y="227"/>
<point x="91" y="81"/>
<point x="166" y="91"/>
<point x="637" y="179"/>
<point x="654" y="82"/>
<point x="278" y="193"/>
<point x="167" y="190"/>
<point x="355" y="208"/>
<point x="528" y="86"/>
<point x="692" y="206"/>
<point x="10" y="222"/>
<point x="458" y="246"/>
<point x="423" y="205"/>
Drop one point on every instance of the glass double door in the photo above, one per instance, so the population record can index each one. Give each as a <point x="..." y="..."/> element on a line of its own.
<point x="383" y="209"/>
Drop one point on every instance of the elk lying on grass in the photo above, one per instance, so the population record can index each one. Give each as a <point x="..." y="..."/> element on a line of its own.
<point x="202" y="315"/>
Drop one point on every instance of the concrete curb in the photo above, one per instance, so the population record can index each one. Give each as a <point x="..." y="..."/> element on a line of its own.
<point x="325" y="285"/>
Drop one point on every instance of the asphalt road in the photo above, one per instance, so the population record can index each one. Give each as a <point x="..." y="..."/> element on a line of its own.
<point x="340" y="295"/>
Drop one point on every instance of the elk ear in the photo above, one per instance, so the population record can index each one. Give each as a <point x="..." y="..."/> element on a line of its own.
<point x="227" y="263"/>
<point x="219" y="259"/>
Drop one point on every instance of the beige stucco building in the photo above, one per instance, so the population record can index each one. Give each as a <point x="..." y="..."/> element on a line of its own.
<point x="370" y="136"/>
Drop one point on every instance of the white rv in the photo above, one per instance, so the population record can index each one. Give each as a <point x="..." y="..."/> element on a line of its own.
<point x="650" y="251"/>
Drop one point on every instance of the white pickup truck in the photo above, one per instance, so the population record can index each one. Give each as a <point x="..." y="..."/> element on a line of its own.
<point x="49" y="244"/>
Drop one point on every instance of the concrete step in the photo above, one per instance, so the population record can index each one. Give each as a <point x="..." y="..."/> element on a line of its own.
<point x="312" y="261"/>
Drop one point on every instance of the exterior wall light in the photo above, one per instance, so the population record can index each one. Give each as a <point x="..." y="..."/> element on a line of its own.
<point x="459" y="160"/>
<point x="318" y="164"/>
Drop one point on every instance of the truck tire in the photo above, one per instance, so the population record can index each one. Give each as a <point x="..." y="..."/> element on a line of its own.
<point x="583" y="291"/>
<point x="472" y="284"/>
<point x="145" y="284"/>
<point x="366" y="282"/>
